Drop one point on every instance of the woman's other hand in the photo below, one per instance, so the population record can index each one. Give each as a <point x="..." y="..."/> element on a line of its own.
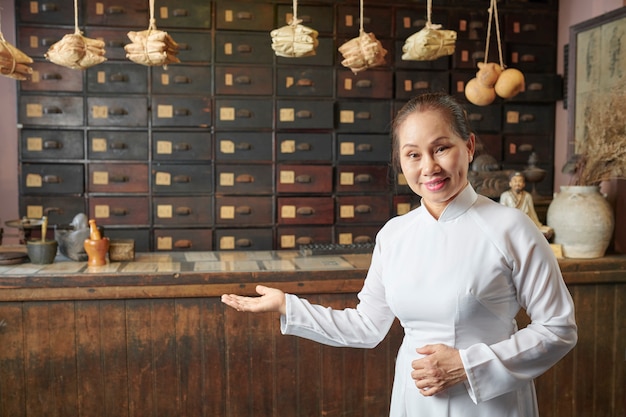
<point x="438" y="370"/>
<point x="271" y="299"/>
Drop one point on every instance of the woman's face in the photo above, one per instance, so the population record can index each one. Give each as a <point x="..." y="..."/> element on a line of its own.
<point x="433" y="159"/>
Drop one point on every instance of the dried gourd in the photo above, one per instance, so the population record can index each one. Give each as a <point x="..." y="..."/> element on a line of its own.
<point x="13" y="62"/>
<point x="76" y="51"/>
<point x="362" y="52"/>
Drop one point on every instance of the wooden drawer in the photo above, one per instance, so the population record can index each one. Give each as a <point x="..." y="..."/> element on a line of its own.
<point x="412" y="83"/>
<point x="439" y="64"/>
<point x="181" y="146"/>
<point x="181" y="79"/>
<point x="113" y="112"/>
<point x="541" y="88"/>
<point x="517" y="149"/>
<point x="348" y="235"/>
<point x="531" y="58"/>
<point x="304" y="147"/>
<point x="51" y="144"/>
<point x="52" y="179"/>
<point x="116" y="144"/>
<point x="292" y="237"/>
<point x="375" y="19"/>
<point x="182" y="211"/>
<point x="231" y="80"/>
<point x="410" y="21"/>
<point x="35" y="41"/>
<point x="324" y="55"/>
<point x="304" y="82"/>
<point x="244" y="16"/>
<point x="56" y="12"/>
<point x="183" y="240"/>
<point x="240" y="211"/>
<point x="120" y="210"/>
<point x="118" y="178"/>
<point x="244" y="179"/>
<point x="305" y="210"/>
<point x="526" y="119"/>
<point x="59" y="210"/>
<point x="114" y="41"/>
<point x="193" y="46"/>
<point x="537" y="28"/>
<point x="484" y="118"/>
<point x="300" y="114"/>
<point x="190" y="111"/>
<point x="356" y="116"/>
<point x="362" y="178"/>
<point x="243" y="240"/>
<point x="468" y="53"/>
<point x="188" y="14"/>
<point x="47" y="76"/>
<point x="243" y="114"/>
<point x="182" y="178"/>
<point x="50" y="110"/>
<point x="458" y="81"/>
<point x="363" y="209"/>
<point x="140" y="236"/>
<point x="111" y="77"/>
<point x="126" y="13"/>
<point x="243" y="146"/>
<point x="490" y="144"/>
<point x="363" y="148"/>
<point x="319" y="18"/>
<point x="365" y="84"/>
<point x="402" y="204"/>
<point x="243" y="48"/>
<point x="469" y="24"/>
<point x="304" y="178"/>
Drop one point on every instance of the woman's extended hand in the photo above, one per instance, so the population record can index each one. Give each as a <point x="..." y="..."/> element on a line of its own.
<point x="440" y="369"/>
<point x="271" y="299"/>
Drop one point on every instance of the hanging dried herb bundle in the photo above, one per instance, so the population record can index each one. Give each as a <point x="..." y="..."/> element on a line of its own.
<point x="13" y="62"/>
<point x="430" y="43"/>
<point x="294" y="40"/>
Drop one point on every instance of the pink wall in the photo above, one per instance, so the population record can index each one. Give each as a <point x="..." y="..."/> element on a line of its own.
<point x="571" y="12"/>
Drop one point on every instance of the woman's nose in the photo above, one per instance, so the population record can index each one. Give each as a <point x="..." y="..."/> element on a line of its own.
<point x="429" y="165"/>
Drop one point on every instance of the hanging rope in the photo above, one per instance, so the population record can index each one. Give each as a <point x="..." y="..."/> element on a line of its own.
<point x="493" y="10"/>
<point x="294" y="40"/>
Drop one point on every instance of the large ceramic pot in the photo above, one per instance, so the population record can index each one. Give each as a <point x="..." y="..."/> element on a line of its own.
<point x="582" y="220"/>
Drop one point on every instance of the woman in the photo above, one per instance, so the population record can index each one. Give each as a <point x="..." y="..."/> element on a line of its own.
<point x="455" y="272"/>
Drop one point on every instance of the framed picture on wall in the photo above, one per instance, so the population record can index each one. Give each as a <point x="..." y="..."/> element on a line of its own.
<point x="596" y="73"/>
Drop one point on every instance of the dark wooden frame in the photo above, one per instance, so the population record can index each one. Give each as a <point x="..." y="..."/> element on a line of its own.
<point x="589" y="27"/>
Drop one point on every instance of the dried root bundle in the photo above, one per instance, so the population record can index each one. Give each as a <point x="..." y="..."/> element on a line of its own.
<point x="362" y="52"/>
<point x="77" y="51"/>
<point x="430" y="43"/>
<point x="294" y="40"/>
<point x="152" y="47"/>
<point x="13" y="62"/>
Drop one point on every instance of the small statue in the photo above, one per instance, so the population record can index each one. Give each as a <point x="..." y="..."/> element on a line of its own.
<point x="516" y="196"/>
<point x="71" y="240"/>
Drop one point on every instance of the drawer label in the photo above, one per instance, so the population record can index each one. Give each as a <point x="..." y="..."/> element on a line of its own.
<point x="512" y="117"/>
<point x="228" y="15"/>
<point x="402" y="180"/>
<point x="164" y="243"/>
<point x="164" y="211"/>
<point x="403" y="208"/>
<point x="227" y="179"/>
<point x="227" y="242"/>
<point x="101" y="211"/>
<point x="287" y="115"/>
<point x="288" y="212"/>
<point x="287" y="177"/>
<point x="228" y="79"/>
<point x="34" y="144"/>
<point x="227" y="113"/>
<point x="347" y="148"/>
<point x="288" y="146"/>
<point x="346" y="212"/>
<point x="165" y="79"/>
<point x="34" y="7"/>
<point x="34" y="181"/>
<point x="346" y="116"/>
<point x="287" y="241"/>
<point x="227" y="146"/>
<point x="100" y="178"/>
<point x="228" y="48"/>
<point x="34" y="110"/>
<point x="345" y="238"/>
<point x="165" y="111"/>
<point x="33" y="41"/>
<point x="164" y="147"/>
<point x="101" y="77"/>
<point x="227" y="212"/>
<point x="346" y="178"/>
<point x="100" y="112"/>
<point x="99" y="8"/>
<point x="163" y="12"/>
<point x="99" y="145"/>
<point x="163" y="178"/>
<point x="289" y="81"/>
<point x="347" y="84"/>
<point x="34" y="212"/>
<point x="349" y="20"/>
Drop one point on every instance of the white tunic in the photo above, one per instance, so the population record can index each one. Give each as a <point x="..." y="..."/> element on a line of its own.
<point x="460" y="281"/>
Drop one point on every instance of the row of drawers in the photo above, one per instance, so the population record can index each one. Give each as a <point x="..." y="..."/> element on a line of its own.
<point x="255" y="48"/>
<point x="401" y="21"/>
<point x="117" y="78"/>
<point x="346" y="116"/>
<point x="221" y="211"/>
<point x="107" y="145"/>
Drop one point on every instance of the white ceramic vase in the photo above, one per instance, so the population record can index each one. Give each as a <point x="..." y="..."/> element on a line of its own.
<point x="583" y="221"/>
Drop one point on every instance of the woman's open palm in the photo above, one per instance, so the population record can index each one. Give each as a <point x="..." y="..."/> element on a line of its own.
<point x="271" y="299"/>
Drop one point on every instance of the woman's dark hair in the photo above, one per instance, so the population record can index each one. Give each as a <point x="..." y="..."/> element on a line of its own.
<point x="445" y="104"/>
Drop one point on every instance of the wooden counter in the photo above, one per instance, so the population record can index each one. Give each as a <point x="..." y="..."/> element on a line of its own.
<point x="151" y="337"/>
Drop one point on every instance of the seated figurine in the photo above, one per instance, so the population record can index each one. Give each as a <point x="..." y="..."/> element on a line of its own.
<point x="516" y="196"/>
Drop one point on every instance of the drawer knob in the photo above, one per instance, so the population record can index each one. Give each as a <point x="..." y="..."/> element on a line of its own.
<point x="52" y="110"/>
<point x="52" y="144"/>
<point x="243" y="146"/>
<point x="115" y="43"/>
<point x="478" y="56"/>
<point x="244" y="15"/>
<point x="48" y="41"/>
<point x="303" y="179"/>
<point x="183" y="211"/>
<point x="181" y="112"/>
<point x="476" y="24"/>
<point x="181" y="179"/>
<point x="115" y="10"/>
<point x="118" y="146"/>
<point x="182" y="79"/>
<point x="243" y="80"/>
<point x="421" y="85"/>
<point x="118" y="77"/>
<point x="243" y="243"/>
<point x="364" y="84"/>
<point x="182" y="147"/>
<point x="363" y="209"/>
<point x="119" y="212"/>
<point x="244" y="49"/>
<point x="304" y="114"/>
<point x="528" y="58"/>
<point x="362" y="239"/>
<point x="244" y="178"/>
<point x="529" y="27"/>
<point x="183" y="46"/>
<point x="118" y="178"/>
<point x="180" y="13"/>
<point x="363" y="115"/>
<point x="304" y="240"/>
<point x="182" y="244"/>
<point x="51" y="179"/>
<point x="243" y="210"/>
<point x="244" y="114"/>
<point x="305" y="82"/>
<point x="364" y="147"/>
<point x="525" y="147"/>
<point x="305" y="211"/>
<point x="535" y="87"/>
<point x="49" y="7"/>
<point x="527" y="118"/>
<point x="363" y="178"/>
<point x="50" y="76"/>
<point x="118" y="111"/>
<point x="305" y="147"/>
<point x="475" y="117"/>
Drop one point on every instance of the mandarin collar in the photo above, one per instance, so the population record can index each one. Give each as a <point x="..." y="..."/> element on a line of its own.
<point x="460" y="204"/>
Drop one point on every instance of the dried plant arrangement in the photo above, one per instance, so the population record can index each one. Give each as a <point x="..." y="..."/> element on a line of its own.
<point x="294" y="40"/>
<point x="601" y="156"/>
<point x="13" y="62"/>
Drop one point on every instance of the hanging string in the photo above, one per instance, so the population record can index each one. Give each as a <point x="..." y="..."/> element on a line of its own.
<point x="295" y="13"/>
<point x="429" y="12"/>
<point x="494" y="8"/>
<point x="152" y="19"/>
<point x="76" y="30"/>
<point x="361" y="17"/>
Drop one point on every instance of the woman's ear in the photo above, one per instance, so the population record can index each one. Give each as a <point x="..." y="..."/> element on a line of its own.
<point x="471" y="146"/>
